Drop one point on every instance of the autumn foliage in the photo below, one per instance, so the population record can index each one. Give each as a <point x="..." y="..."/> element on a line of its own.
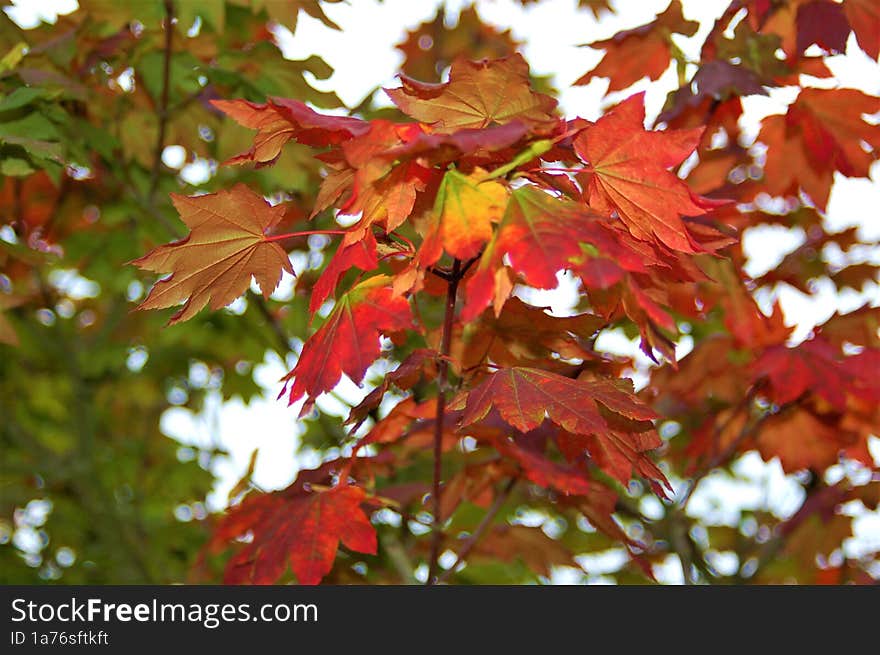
<point x="445" y="212"/>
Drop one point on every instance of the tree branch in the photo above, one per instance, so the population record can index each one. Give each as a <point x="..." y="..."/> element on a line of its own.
<point x="748" y="431"/>
<point x="477" y="534"/>
<point x="274" y="324"/>
<point x="443" y="384"/>
<point x="162" y="112"/>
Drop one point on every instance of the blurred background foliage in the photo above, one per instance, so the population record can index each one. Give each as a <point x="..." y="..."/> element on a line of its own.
<point x="102" y="115"/>
<point x="90" y="490"/>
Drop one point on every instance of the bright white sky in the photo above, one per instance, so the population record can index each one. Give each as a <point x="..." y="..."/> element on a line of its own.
<point x="363" y="56"/>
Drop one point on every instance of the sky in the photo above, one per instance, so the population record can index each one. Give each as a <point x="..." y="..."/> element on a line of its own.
<point x="363" y="57"/>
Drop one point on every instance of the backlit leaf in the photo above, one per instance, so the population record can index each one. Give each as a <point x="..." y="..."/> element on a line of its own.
<point x="226" y="246"/>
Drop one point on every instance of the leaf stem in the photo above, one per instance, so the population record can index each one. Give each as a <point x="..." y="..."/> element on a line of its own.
<point x="291" y="235"/>
<point x="443" y="384"/>
<point x="550" y="169"/>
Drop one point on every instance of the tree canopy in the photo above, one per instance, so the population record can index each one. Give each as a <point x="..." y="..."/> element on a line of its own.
<point x="495" y="440"/>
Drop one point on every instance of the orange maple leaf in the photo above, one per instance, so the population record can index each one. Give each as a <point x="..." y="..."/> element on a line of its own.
<point x="821" y="133"/>
<point x="630" y="175"/>
<point x="226" y="246"/>
<point x="478" y="94"/>
<point x="644" y="51"/>
<point x="864" y="16"/>
<point x="282" y="119"/>
<point x="464" y="212"/>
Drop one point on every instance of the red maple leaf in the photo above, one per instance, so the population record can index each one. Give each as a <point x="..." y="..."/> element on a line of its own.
<point x="539" y="234"/>
<point x="348" y="341"/>
<point x="297" y="527"/>
<point x="603" y="409"/>
<point x="360" y="253"/>
<point x="282" y="119"/>
<point x="815" y="366"/>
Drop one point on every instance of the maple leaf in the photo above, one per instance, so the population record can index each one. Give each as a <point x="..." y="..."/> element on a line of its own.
<point x="544" y="472"/>
<point x="860" y="327"/>
<point x="596" y="407"/>
<point x="802" y="440"/>
<point x="856" y="276"/>
<point x="745" y="321"/>
<point x="301" y="528"/>
<point x="387" y="201"/>
<point x="815" y="366"/>
<point x="716" y="80"/>
<point x="597" y="7"/>
<point x="286" y="12"/>
<point x="383" y="190"/>
<point x="630" y="175"/>
<point x="440" y="148"/>
<point x="478" y="94"/>
<point x="823" y="23"/>
<point x="648" y="316"/>
<point x="465" y="210"/>
<point x="822" y="131"/>
<point x="360" y="253"/>
<point x="530" y="545"/>
<point x="540" y="234"/>
<point x="522" y="333"/>
<point x="395" y="426"/>
<point x="864" y="16"/>
<point x="336" y="183"/>
<point x="433" y="45"/>
<point x="282" y="119"/>
<point x="619" y="454"/>
<point x="404" y="377"/>
<point x="226" y="246"/>
<point x="348" y="342"/>
<point x="644" y="51"/>
<point x="524" y="397"/>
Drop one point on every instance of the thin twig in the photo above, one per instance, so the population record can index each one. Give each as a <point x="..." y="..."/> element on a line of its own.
<point x="747" y="431"/>
<point x="162" y="110"/>
<point x="441" y="273"/>
<point x="477" y="534"/>
<point x="291" y="235"/>
<point x="274" y="323"/>
<point x="443" y="384"/>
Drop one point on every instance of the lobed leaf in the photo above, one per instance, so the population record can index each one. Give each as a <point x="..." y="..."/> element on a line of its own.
<point x="226" y="246"/>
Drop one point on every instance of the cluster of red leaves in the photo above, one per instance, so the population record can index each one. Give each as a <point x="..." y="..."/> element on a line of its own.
<point x="823" y="398"/>
<point x="486" y="185"/>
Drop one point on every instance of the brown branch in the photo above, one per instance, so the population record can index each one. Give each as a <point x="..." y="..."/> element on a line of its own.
<point x="162" y="109"/>
<point x="681" y="546"/>
<point x="441" y="273"/>
<point x="443" y="384"/>
<point x="273" y="323"/>
<point x="748" y="430"/>
<point x="477" y="534"/>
